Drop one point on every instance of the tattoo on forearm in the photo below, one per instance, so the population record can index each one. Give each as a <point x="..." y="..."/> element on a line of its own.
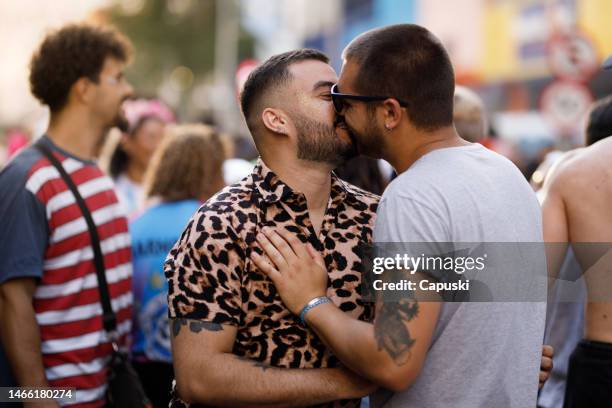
<point x="390" y="329"/>
<point x="255" y="363"/>
<point x="195" y="326"/>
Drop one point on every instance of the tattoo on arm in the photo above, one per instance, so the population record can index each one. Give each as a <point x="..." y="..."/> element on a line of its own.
<point x="390" y="329"/>
<point x="195" y="326"/>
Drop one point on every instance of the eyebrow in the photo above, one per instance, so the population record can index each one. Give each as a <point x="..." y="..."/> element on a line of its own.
<point x="321" y="84"/>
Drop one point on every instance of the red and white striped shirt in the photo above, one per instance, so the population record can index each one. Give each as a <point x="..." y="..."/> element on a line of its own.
<point x="75" y="347"/>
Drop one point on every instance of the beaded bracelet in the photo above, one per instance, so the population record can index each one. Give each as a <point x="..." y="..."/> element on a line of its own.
<point x="312" y="304"/>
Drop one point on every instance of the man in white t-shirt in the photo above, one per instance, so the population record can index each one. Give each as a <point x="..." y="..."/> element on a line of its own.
<point x="395" y="94"/>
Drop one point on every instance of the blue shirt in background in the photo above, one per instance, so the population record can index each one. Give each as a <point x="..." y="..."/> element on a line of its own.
<point x="154" y="233"/>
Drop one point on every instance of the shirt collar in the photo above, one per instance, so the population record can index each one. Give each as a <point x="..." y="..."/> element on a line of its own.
<point x="272" y="189"/>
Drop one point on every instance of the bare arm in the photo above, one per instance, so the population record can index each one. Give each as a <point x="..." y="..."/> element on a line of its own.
<point x="390" y="352"/>
<point x="20" y="334"/>
<point x="207" y="372"/>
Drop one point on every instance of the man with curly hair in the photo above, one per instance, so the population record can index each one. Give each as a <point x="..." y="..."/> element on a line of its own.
<point x="50" y="313"/>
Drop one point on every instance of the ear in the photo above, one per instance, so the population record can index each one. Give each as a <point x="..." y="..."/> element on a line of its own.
<point x="393" y="113"/>
<point x="82" y="90"/>
<point x="275" y="121"/>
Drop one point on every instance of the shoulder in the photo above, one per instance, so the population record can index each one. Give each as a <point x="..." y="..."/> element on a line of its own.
<point x="577" y="168"/>
<point x="150" y="215"/>
<point x="20" y="167"/>
<point x="404" y="186"/>
<point x="225" y="213"/>
<point x="15" y="175"/>
<point x="237" y="196"/>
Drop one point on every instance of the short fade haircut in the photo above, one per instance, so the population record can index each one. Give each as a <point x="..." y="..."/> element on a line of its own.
<point x="70" y="53"/>
<point x="599" y="125"/>
<point x="272" y="74"/>
<point x="407" y="62"/>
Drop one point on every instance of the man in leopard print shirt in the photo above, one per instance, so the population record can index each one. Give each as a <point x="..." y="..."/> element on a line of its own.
<point x="233" y="339"/>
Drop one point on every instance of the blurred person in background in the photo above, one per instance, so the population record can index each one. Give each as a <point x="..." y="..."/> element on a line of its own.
<point x="565" y="312"/>
<point x="576" y="211"/>
<point x="146" y="119"/>
<point x="15" y="141"/>
<point x="50" y="316"/>
<point x="471" y="123"/>
<point x="184" y="172"/>
<point x="598" y="127"/>
<point x="469" y="115"/>
<point x="234" y="168"/>
<point x="599" y="124"/>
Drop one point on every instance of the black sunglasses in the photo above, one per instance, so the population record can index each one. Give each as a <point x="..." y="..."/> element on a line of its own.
<point x="338" y="99"/>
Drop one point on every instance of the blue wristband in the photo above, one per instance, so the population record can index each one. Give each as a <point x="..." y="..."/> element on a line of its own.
<point x="312" y="304"/>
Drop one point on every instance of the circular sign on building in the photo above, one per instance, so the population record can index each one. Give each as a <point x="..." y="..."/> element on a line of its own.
<point x="572" y="57"/>
<point x="564" y="103"/>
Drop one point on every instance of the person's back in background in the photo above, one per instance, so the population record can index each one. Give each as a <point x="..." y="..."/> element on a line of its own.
<point x="184" y="172"/>
<point x="565" y="314"/>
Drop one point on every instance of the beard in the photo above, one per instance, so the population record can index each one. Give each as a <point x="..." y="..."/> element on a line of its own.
<point x="319" y="142"/>
<point x="369" y="141"/>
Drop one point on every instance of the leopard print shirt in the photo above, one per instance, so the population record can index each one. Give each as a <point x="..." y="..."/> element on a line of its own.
<point x="211" y="276"/>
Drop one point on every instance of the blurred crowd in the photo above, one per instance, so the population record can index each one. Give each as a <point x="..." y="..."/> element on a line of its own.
<point x="163" y="170"/>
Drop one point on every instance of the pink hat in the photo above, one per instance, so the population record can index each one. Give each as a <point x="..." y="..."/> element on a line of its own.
<point x="138" y="109"/>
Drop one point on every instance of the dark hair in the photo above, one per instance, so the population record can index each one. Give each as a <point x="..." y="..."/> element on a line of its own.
<point x="119" y="159"/>
<point x="73" y="52"/>
<point x="118" y="162"/>
<point x="271" y="74"/>
<point x="407" y="62"/>
<point x="599" y="125"/>
<point x="363" y="172"/>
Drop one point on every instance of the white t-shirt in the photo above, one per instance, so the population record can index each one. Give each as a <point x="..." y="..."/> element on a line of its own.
<point x="483" y="354"/>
